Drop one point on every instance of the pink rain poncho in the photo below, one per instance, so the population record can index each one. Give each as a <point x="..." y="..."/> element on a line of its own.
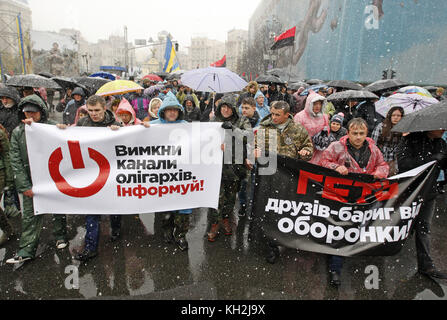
<point x="125" y="106"/>
<point x="337" y="155"/>
<point x="314" y="123"/>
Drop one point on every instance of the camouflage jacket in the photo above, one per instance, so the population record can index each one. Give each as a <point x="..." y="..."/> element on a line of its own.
<point x="290" y="142"/>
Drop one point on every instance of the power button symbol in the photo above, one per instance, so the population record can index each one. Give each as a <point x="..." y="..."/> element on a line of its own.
<point x="78" y="163"/>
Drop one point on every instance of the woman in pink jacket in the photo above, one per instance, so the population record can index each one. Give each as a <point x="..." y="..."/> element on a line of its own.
<point x="314" y="120"/>
<point x="126" y="114"/>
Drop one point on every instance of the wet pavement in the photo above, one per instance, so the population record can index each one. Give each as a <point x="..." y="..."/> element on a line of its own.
<point x="142" y="266"/>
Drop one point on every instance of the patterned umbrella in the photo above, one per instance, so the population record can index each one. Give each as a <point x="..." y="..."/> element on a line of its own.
<point x="409" y="102"/>
<point x="118" y="87"/>
<point x="415" y="90"/>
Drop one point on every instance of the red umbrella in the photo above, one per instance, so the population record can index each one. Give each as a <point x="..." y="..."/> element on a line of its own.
<point x="153" y="77"/>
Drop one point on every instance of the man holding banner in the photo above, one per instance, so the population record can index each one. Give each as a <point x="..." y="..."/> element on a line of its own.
<point x="98" y="116"/>
<point x="292" y="140"/>
<point x="415" y="150"/>
<point x="354" y="153"/>
<point x="176" y="223"/>
<point x="32" y="109"/>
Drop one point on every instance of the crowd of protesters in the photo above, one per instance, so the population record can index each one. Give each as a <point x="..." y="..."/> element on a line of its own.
<point x="345" y="137"/>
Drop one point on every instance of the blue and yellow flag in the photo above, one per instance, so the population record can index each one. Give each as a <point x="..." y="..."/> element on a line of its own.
<point x="170" y="56"/>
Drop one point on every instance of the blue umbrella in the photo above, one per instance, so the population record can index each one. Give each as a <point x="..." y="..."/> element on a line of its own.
<point x="315" y="88"/>
<point x="219" y="80"/>
<point x="104" y="75"/>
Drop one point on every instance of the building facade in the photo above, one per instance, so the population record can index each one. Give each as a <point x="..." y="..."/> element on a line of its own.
<point x="203" y="52"/>
<point x="358" y="40"/>
<point x="235" y="47"/>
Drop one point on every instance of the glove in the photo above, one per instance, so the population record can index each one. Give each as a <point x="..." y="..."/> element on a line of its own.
<point x="227" y="125"/>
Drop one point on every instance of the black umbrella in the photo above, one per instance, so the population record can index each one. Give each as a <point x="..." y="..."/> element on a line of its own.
<point x="33" y="81"/>
<point x="46" y="75"/>
<point x="345" y="84"/>
<point x="92" y="84"/>
<point x="428" y="119"/>
<point x="68" y="83"/>
<point x="269" y="79"/>
<point x="352" y="95"/>
<point x="386" y="85"/>
<point x="162" y="75"/>
<point x="313" y="82"/>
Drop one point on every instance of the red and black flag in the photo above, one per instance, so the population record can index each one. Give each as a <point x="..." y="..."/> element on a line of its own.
<point x="221" y="63"/>
<point x="286" y="39"/>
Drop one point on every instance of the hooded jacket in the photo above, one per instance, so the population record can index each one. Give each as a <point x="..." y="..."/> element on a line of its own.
<point x="170" y="101"/>
<point x="19" y="153"/>
<point x="73" y="106"/>
<point x="337" y="155"/>
<point x="194" y="115"/>
<point x="264" y="110"/>
<point x="314" y="123"/>
<point x="152" y="116"/>
<point x="232" y="172"/>
<point x="126" y="107"/>
<point x="9" y="117"/>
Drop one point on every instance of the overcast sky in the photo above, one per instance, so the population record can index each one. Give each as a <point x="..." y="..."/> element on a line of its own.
<point x="97" y="19"/>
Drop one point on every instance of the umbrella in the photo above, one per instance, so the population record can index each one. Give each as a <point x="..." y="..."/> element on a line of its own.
<point x="46" y="75"/>
<point x="415" y="90"/>
<point x="429" y="119"/>
<point x="297" y="85"/>
<point x="211" y="79"/>
<point x="352" y="94"/>
<point x="150" y="91"/>
<point x="313" y="82"/>
<point x="315" y="88"/>
<point x="33" y="81"/>
<point x="269" y="79"/>
<point x="118" y="87"/>
<point x="162" y="75"/>
<point x="93" y="84"/>
<point x="104" y="75"/>
<point x="284" y="74"/>
<point x="409" y="102"/>
<point x="68" y="83"/>
<point x="153" y="77"/>
<point x="345" y="84"/>
<point x="383" y="85"/>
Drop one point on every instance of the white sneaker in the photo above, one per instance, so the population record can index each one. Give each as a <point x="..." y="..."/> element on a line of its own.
<point x="61" y="244"/>
<point x="17" y="260"/>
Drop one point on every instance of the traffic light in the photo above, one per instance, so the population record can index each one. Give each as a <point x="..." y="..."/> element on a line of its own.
<point x="176" y="47"/>
<point x="393" y="74"/>
<point x="385" y="75"/>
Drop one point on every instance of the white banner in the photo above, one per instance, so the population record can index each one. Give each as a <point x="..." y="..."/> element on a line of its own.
<point x="130" y="171"/>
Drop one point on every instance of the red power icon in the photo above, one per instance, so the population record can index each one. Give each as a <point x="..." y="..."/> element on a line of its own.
<point x="78" y="163"/>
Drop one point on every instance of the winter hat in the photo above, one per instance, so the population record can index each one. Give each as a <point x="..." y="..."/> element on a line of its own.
<point x="339" y="118"/>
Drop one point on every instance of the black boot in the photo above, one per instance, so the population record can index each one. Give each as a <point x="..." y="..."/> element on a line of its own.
<point x="334" y="279"/>
<point x="273" y="255"/>
<point x="180" y="240"/>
